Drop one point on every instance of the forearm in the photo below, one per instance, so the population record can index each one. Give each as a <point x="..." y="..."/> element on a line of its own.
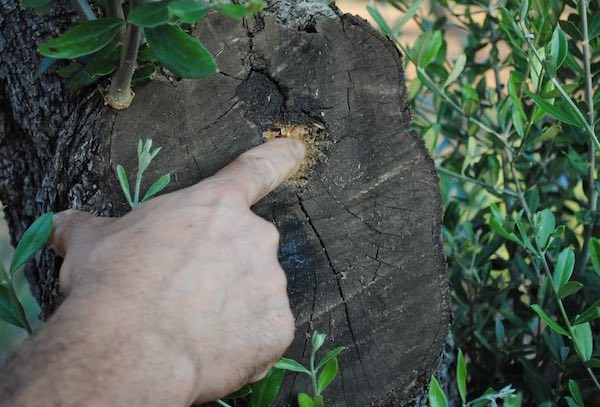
<point x="87" y="357"/>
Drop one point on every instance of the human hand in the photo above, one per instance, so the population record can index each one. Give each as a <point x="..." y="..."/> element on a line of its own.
<point x="187" y="283"/>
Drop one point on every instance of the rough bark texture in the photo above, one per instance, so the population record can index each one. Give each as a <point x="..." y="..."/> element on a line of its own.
<point x="360" y="241"/>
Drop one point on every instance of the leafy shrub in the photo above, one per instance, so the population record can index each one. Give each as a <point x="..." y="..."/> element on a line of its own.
<point x="511" y="123"/>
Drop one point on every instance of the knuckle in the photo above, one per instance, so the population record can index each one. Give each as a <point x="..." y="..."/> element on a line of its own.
<point x="221" y="191"/>
<point x="263" y="170"/>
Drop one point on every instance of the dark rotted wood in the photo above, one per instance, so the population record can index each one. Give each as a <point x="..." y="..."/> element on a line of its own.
<point x="360" y="241"/>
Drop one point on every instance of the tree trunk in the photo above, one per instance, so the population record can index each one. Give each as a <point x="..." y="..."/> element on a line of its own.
<point x="360" y="237"/>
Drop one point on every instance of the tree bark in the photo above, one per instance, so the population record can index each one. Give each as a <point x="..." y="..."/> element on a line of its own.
<point x="360" y="239"/>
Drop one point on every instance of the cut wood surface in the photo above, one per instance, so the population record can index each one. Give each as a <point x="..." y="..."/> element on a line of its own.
<point x="360" y="238"/>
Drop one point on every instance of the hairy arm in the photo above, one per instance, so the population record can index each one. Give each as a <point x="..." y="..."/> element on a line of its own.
<point x="182" y="299"/>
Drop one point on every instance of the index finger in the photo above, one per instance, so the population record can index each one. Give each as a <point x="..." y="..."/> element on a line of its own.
<point x="260" y="170"/>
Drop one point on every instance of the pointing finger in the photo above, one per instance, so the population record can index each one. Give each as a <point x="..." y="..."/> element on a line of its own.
<point x="68" y="227"/>
<point x="260" y="170"/>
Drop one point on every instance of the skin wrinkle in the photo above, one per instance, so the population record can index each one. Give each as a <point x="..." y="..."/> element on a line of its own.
<point x="160" y="313"/>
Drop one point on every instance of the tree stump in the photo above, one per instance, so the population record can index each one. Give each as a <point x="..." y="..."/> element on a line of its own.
<point x="360" y="236"/>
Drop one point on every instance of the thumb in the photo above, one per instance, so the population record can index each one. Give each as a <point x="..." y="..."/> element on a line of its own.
<point x="68" y="227"/>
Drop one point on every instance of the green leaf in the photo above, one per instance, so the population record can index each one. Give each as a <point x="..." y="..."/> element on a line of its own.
<point x="426" y="48"/>
<point x="583" y="338"/>
<point x="461" y="376"/>
<point x="571" y="402"/>
<point x="595" y="254"/>
<point x="157" y="187"/>
<point x="36" y="4"/>
<point x="267" y="389"/>
<point x="524" y="9"/>
<point x="319" y="401"/>
<point x="549" y="133"/>
<point x="459" y="66"/>
<point x="563" y="269"/>
<point x="376" y="15"/>
<point x="292" y="365"/>
<point x="572" y="287"/>
<point x="8" y="313"/>
<point x="304" y="400"/>
<point x="437" y="398"/>
<point x="143" y="75"/>
<point x="409" y="14"/>
<point x="575" y="392"/>
<point x="238" y="11"/>
<point x="34" y="238"/>
<point x="150" y="14"/>
<point x="591" y="313"/>
<point x="593" y="363"/>
<point x="82" y="39"/>
<point x="544" y="224"/>
<point x="188" y="11"/>
<point x="330" y="355"/>
<point x="548" y="320"/>
<point x="243" y="392"/>
<point x="563" y="113"/>
<point x="44" y="65"/>
<point x="558" y="47"/>
<point x="181" y="53"/>
<point x="69" y="70"/>
<point x="327" y="376"/>
<point x="124" y="182"/>
<point x="318" y="339"/>
<point x="499" y="229"/>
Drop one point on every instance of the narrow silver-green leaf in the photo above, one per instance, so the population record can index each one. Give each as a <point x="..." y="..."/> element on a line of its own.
<point x="461" y="376"/>
<point x="408" y="15"/>
<point x="124" y="182"/>
<point x="583" y="338"/>
<point x="545" y="224"/>
<point x="558" y="47"/>
<point x="592" y="312"/>
<point x="572" y="287"/>
<point x="457" y="69"/>
<point x="595" y="255"/>
<point x="83" y="39"/>
<point x="576" y="392"/>
<point x="436" y="395"/>
<point x="330" y="355"/>
<point x="563" y="269"/>
<point x="548" y="320"/>
<point x="318" y="339"/>
<point x="327" y="375"/>
<point x="563" y="113"/>
<point x="376" y="15"/>
<point x="157" y="187"/>
<point x="34" y="238"/>
<point x="292" y="365"/>
<point x="304" y="400"/>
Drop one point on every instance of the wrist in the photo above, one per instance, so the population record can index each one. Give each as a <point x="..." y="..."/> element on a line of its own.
<point x="128" y="351"/>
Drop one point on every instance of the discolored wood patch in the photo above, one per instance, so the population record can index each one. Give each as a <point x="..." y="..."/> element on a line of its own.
<point x="360" y="239"/>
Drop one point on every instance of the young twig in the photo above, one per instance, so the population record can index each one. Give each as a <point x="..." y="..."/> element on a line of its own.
<point x="120" y="94"/>
<point x="83" y="9"/>
<point x="589" y="96"/>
